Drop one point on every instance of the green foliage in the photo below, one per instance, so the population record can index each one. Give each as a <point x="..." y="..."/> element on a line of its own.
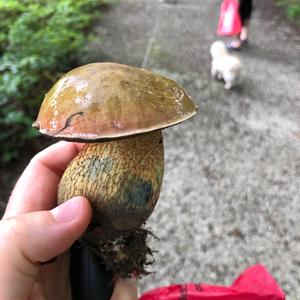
<point x="292" y="8"/>
<point x="39" y="41"/>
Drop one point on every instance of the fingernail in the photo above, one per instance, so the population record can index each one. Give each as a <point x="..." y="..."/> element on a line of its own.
<point x="68" y="211"/>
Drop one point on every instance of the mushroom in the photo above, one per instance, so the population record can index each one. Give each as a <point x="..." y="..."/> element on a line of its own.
<point x="118" y="111"/>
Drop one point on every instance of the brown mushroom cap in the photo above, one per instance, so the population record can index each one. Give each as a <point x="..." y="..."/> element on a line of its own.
<point x="108" y="100"/>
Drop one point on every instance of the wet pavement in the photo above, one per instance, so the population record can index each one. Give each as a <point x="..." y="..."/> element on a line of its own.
<point x="231" y="191"/>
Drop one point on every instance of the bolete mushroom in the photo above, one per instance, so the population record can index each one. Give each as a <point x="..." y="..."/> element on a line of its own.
<point x="118" y="111"/>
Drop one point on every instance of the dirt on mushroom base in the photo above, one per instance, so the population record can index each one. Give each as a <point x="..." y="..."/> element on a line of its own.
<point x="121" y="253"/>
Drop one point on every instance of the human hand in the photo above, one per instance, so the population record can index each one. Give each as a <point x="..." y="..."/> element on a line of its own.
<point x="33" y="231"/>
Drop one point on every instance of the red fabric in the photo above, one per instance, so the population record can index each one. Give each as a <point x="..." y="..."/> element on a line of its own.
<point x="229" y="21"/>
<point x="255" y="283"/>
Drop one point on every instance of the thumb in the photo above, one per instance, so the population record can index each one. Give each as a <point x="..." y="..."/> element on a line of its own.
<point x="37" y="237"/>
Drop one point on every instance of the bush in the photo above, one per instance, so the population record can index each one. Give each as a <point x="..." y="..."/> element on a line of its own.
<point x="292" y="8"/>
<point x="39" y="41"/>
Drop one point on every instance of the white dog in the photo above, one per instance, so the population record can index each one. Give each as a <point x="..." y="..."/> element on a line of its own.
<point x="224" y="65"/>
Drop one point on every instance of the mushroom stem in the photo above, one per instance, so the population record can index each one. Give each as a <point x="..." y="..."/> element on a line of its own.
<point x="122" y="179"/>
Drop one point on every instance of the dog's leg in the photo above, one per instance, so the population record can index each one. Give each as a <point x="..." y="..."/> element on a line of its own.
<point x="229" y="79"/>
<point x="228" y="85"/>
<point x="214" y="71"/>
<point x="219" y="75"/>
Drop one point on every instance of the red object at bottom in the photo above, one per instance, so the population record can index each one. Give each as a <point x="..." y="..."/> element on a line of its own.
<point x="255" y="283"/>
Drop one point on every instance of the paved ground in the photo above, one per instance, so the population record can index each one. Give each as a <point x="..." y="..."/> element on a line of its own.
<point x="231" y="193"/>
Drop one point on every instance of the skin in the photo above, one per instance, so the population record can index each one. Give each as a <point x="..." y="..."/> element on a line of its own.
<point x="34" y="230"/>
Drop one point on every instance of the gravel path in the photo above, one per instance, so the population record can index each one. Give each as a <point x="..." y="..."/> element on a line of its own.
<point x="231" y="192"/>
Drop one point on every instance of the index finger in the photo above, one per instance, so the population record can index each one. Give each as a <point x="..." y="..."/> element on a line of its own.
<point x="36" y="189"/>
